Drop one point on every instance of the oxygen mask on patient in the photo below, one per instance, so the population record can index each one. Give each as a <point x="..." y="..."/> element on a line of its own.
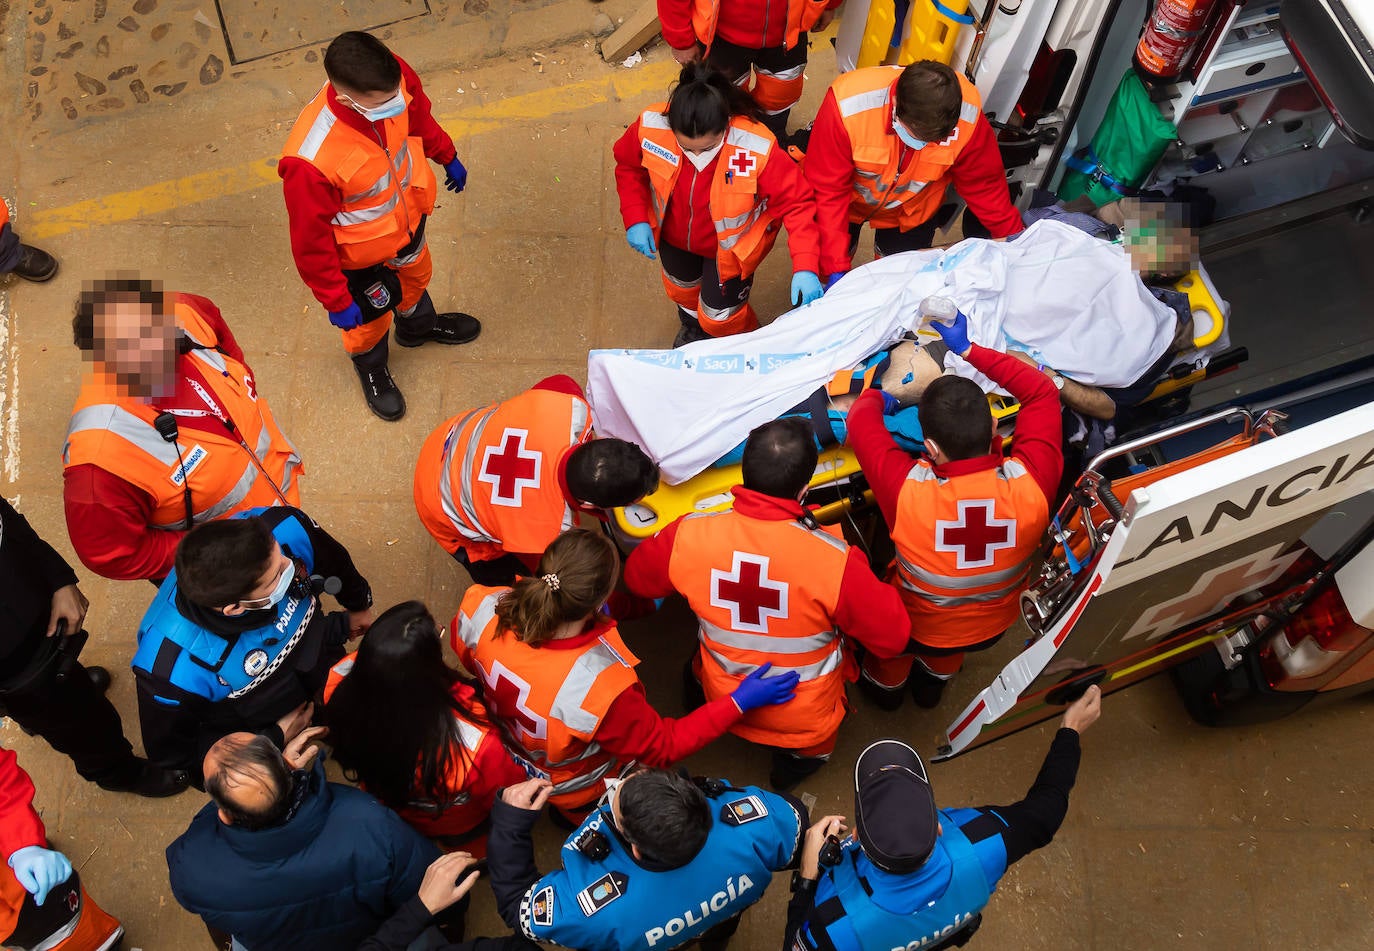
<point x="1161" y="246"/>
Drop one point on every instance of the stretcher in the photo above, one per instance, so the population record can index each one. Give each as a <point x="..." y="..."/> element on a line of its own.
<point x="838" y="480"/>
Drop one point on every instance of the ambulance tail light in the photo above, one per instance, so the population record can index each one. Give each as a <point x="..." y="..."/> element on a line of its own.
<point x="1314" y="640"/>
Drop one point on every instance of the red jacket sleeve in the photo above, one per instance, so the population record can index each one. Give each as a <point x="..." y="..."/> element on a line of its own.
<point x="675" y="17"/>
<point x="981" y="179"/>
<point x="20" y="826"/>
<point x="1039" y="433"/>
<point x="885" y="464"/>
<point x="633" y="730"/>
<point x="110" y="524"/>
<point x="871" y="611"/>
<point x="224" y="337"/>
<point x="829" y="167"/>
<point x="790" y="198"/>
<point x="560" y="383"/>
<point x="631" y="179"/>
<point x="646" y="570"/>
<point x="438" y="143"/>
<point x="311" y="204"/>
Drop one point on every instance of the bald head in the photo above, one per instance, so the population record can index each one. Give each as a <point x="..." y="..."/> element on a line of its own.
<point x="248" y="779"/>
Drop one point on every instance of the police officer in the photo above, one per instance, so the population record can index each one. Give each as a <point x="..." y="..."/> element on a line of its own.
<point x="43" y="686"/>
<point x="663" y="861"/>
<point x="236" y="638"/>
<point x="912" y="876"/>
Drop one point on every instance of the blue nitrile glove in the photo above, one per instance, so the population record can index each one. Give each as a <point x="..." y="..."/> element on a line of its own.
<point x="457" y="176"/>
<point x="954" y="335"/>
<point x="806" y="287"/>
<point x="348" y="318"/>
<point x="641" y="238"/>
<point x="834" y="279"/>
<point x="890" y="404"/>
<point x="758" y="690"/>
<point x="40" y="870"/>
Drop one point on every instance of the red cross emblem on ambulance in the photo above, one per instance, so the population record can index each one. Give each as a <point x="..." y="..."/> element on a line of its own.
<point x="742" y="163"/>
<point x="977" y="535"/>
<point x="748" y="593"/>
<point x="509" y="469"/>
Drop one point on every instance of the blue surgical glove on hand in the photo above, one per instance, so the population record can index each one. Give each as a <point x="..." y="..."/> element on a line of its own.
<point x="890" y="404"/>
<point x="40" y="870"/>
<point x="457" y="176"/>
<point x="758" y="690"/>
<point x="834" y="279"/>
<point x="348" y="318"/>
<point x="641" y="238"/>
<point x="954" y="335"/>
<point x="806" y="287"/>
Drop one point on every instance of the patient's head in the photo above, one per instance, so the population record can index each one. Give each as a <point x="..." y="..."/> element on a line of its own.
<point x="1158" y="238"/>
<point x="779" y="458"/>
<point x="956" y="422"/>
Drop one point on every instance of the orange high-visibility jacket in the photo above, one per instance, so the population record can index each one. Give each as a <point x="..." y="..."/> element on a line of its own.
<point x="386" y="189"/>
<point x="745" y="229"/>
<point x="487" y="480"/>
<point x="766" y="591"/>
<point x="801" y="16"/>
<point x="885" y="195"/>
<point x="965" y="546"/>
<point x="548" y="701"/>
<point x="115" y="432"/>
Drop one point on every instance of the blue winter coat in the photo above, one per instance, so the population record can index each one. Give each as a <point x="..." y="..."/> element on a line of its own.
<point x="324" y="880"/>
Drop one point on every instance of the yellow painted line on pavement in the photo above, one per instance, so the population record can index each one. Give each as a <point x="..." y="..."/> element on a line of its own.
<point x="221" y="183"/>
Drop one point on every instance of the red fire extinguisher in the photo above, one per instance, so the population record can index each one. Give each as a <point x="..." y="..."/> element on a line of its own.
<point x="1171" y="33"/>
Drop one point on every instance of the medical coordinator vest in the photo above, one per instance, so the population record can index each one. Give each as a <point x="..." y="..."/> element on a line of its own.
<point x="884" y="194"/>
<point x="487" y="480"/>
<point x="115" y="432"/>
<point x="965" y="546"/>
<point x="766" y="591"/>
<point x="548" y="701"/>
<point x="385" y="187"/>
<point x="745" y="229"/>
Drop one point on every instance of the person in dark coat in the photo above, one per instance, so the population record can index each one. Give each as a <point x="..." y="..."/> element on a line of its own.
<point x="42" y="685"/>
<point x="283" y="860"/>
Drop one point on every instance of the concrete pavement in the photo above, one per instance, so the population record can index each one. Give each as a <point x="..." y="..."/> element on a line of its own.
<point x="142" y="138"/>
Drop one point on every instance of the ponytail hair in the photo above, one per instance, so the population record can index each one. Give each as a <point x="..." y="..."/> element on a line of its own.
<point x="575" y="577"/>
<point x="704" y="101"/>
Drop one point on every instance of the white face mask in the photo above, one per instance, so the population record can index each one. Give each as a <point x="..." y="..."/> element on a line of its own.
<point x="702" y="159"/>
<point x="390" y="109"/>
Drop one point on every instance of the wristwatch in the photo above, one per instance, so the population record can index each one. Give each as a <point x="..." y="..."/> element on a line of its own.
<point x="800" y="884"/>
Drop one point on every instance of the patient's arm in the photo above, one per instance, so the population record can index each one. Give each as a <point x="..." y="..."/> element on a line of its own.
<point x="1088" y="400"/>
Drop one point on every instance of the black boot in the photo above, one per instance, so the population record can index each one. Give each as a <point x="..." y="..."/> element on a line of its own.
<point x="424" y="325"/>
<point x="789" y="769"/>
<point x="379" y="389"/>
<point x="35" y="264"/>
<point x="148" y="780"/>
<point x="926" y="688"/>
<point x="884" y="698"/>
<point x="691" y="330"/>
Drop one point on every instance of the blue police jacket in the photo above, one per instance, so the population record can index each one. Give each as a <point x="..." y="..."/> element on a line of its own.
<point x="615" y="904"/>
<point x="175" y="650"/>
<point x="860" y="907"/>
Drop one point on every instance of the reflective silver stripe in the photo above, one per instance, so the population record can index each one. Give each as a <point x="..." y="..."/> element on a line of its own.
<point x="581" y="410"/>
<point x="654" y="120"/>
<point x="466" y="523"/>
<point x="826" y="537"/>
<point x="403" y="155"/>
<point x="862" y="102"/>
<point x="110" y="417"/>
<point x="765" y="642"/>
<point x="739" y="221"/>
<point x="950" y="601"/>
<point x="968" y="112"/>
<point x="226" y="504"/>
<point x="372" y="191"/>
<point x="750" y="141"/>
<point x="365" y="215"/>
<point x="319" y="131"/>
<point x="567" y="705"/>
<point x="923" y="473"/>
<point x="288" y="473"/>
<point x="720" y="314"/>
<point x="1014" y="468"/>
<point x="412" y="257"/>
<point x="962" y="582"/>
<point x="213" y="357"/>
<point x="808" y="672"/>
<point x="586" y="779"/>
<point x="786" y="75"/>
<point x="470" y="628"/>
<point x="686" y="285"/>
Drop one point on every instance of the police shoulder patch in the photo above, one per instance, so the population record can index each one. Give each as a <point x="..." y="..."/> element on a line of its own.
<point x="255" y="662"/>
<point x="601" y="892"/>
<point x="541" y="908"/>
<point x="737" y="812"/>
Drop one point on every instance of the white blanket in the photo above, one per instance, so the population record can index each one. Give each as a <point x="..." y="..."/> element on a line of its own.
<point x="1070" y="299"/>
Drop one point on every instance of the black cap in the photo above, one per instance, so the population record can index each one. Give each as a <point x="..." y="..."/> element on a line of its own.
<point x="894" y="807"/>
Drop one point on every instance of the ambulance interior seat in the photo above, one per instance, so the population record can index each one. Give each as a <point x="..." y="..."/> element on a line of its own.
<point x="1333" y="42"/>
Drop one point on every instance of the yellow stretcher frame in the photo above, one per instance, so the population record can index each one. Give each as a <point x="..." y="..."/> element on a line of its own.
<point x="709" y="491"/>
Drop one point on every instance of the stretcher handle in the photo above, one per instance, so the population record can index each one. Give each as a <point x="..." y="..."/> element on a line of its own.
<point x="1228" y="414"/>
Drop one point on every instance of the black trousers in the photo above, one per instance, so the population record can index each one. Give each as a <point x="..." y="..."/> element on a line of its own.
<point x="9" y="249"/>
<point x="686" y="268"/>
<point x="736" y="62"/>
<point x="894" y="240"/>
<point x="73" y="716"/>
